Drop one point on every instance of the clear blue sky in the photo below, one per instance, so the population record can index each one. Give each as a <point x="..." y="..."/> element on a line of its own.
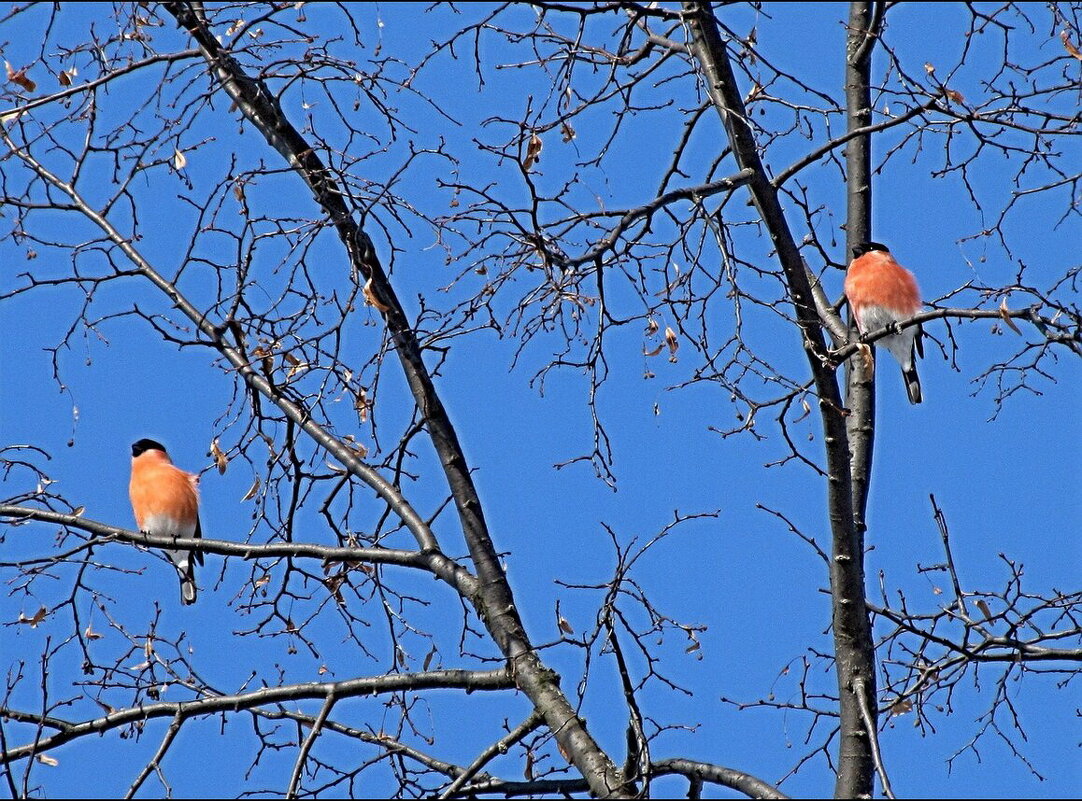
<point x="1008" y="485"/>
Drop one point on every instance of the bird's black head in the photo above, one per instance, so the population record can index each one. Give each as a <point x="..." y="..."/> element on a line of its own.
<point x="144" y="445"/>
<point x="868" y="247"/>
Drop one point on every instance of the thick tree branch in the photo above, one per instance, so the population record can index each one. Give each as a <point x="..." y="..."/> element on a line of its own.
<point x="494" y="600"/>
<point x="851" y="623"/>
<point x="469" y="680"/>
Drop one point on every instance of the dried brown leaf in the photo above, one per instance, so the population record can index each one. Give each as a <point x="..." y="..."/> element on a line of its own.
<point x="533" y="152"/>
<point x="251" y="493"/>
<point x="984" y="609"/>
<point x="33" y="621"/>
<point x="362" y="404"/>
<point x="565" y="627"/>
<point x="672" y="342"/>
<point x="653" y="352"/>
<point x="90" y="634"/>
<point x="20" y="78"/>
<point x="180" y="161"/>
<point x="901" y="707"/>
<point x="221" y="461"/>
<point x="266" y="362"/>
<point x="1069" y="45"/>
<point x="295" y="364"/>
<point x="64" y="77"/>
<point x="355" y="446"/>
<point x="1005" y="313"/>
<point x="371" y="299"/>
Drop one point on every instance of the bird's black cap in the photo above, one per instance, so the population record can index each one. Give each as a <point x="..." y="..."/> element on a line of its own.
<point x="144" y="445"/>
<point x="868" y="247"/>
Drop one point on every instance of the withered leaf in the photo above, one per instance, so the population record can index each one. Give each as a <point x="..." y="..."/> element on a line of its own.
<point x="37" y="618"/>
<point x="265" y="360"/>
<point x="565" y="627"/>
<point x="653" y="352"/>
<point x="295" y="364"/>
<point x="180" y="161"/>
<point x="533" y="152"/>
<point x="20" y="78"/>
<point x="984" y="609"/>
<point x="221" y="461"/>
<point x="1069" y="45"/>
<point x="371" y="299"/>
<point x="567" y="131"/>
<point x="362" y="404"/>
<point x="672" y="342"/>
<point x="45" y="759"/>
<point x="901" y="707"/>
<point x="251" y="493"/>
<point x="355" y="446"/>
<point x="90" y="634"/>
<point x="1005" y="313"/>
<point x="64" y="77"/>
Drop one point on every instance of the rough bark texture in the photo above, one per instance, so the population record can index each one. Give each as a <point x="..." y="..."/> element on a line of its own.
<point x="855" y="774"/>
<point x="854" y="650"/>
<point x="493" y="600"/>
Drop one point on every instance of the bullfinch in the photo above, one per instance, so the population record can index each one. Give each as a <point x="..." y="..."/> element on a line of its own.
<point x="881" y="292"/>
<point x="165" y="500"/>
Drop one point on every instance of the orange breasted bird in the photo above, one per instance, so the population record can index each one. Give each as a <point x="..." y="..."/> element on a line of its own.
<point x="165" y="500"/>
<point x="881" y="292"/>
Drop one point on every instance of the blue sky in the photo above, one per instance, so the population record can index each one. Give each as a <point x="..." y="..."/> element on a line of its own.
<point x="1008" y="480"/>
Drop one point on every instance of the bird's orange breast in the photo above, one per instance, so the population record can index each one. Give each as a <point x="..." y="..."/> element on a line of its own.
<point x="159" y="488"/>
<point x="876" y="279"/>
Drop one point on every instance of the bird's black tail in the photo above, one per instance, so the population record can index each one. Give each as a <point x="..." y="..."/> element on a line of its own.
<point x="187" y="582"/>
<point x="912" y="384"/>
